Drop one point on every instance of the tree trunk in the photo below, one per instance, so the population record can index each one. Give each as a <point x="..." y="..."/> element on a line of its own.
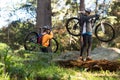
<point x="82" y="5"/>
<point x="43" y="13"/>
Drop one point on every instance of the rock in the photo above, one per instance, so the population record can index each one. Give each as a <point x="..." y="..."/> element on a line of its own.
<point x="105" y="53"/>
<point x="71" y="55"/>
<point x="99" y="53"/>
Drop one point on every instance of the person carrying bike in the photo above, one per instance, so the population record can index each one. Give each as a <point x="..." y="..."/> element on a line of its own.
<point x="86" y="30"/>
<point x="47" y="35"/>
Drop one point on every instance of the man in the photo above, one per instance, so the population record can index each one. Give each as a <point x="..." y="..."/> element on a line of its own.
<point x="86" y="28"/>
<point x="47" y="35"/>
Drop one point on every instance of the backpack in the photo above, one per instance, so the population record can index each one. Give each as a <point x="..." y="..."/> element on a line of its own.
<point x="39" y="39"/>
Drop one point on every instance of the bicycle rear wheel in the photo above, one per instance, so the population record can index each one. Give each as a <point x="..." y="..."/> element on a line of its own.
<point x="73" y="26"/>
<point x="54" y="45"/>
<point x="107" y="35"/>
<point x="30" y="41"/>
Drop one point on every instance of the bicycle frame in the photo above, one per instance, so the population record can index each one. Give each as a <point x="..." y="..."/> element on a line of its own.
<point x="96" y="22"/>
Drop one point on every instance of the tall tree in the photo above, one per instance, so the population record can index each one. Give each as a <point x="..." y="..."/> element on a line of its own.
<point x="43" y="13"/>
<point x="82" y="5"/>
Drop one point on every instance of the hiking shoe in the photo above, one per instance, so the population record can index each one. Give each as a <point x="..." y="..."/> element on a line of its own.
<point x="80" y="58"/>
<point x="88" y="58"/>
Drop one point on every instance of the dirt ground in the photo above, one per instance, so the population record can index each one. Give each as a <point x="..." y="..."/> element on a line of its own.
<point x="91" y="65"/>
<point x="102" y="59"/>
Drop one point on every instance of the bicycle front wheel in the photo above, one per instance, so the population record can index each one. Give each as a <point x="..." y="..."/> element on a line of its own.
<point x="53" y="45"/>
<point x="104" y="32"/>
<point x="30" y="42"/>
<point x="73" y="26"/>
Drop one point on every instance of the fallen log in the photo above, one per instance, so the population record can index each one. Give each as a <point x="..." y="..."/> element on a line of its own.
<point x="91" y="65"/>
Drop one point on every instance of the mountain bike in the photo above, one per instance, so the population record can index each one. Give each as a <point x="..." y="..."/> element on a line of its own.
<point x="31" y="43"/>
<point x="102" y="29"/>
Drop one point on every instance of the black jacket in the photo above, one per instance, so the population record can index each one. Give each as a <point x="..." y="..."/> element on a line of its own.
<point x="88" y="20"/>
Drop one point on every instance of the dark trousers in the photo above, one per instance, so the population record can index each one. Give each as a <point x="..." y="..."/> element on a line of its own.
<point x="86" y="44"/>
<point x="44" y="49"/>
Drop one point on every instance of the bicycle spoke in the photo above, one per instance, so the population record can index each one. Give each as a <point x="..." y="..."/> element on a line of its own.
<point x="73" y="26"/>
<point x="54" y="45"/>
<point x="105" y="32"/>
<point x="31" y="41"/>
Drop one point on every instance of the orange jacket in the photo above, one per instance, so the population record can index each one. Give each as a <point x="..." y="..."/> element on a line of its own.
<point x="46" y="39"/>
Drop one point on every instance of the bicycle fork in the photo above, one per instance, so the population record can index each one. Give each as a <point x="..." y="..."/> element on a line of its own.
<point x="102" y="27"/>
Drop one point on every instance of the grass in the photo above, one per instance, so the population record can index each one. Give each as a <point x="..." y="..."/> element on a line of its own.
<point x="26" y="65"/>
<point x="101" y="75"/>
